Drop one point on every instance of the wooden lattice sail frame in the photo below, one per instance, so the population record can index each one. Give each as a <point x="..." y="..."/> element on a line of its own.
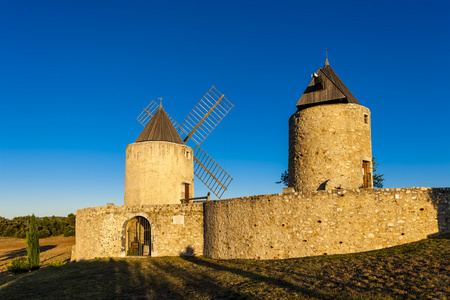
<point x="197" y="126"/>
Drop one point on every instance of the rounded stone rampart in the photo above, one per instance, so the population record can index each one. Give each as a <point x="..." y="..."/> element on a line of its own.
<point x="329" y="145"/>
<point x="323" y="222"/>
<point x="157" y="173"/>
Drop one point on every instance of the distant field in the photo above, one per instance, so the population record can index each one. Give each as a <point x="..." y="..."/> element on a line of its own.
<point x="51" y="248"/>
<point x="418" y="270"/>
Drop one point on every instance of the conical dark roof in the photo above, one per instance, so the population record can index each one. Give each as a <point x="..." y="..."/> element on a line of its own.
<point x="160" y="128"/>
<point x="326" y="87"/>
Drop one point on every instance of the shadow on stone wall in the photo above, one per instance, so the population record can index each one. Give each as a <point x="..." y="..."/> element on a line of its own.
<point x="188" y="252"/>
<point x="440" y="198"/>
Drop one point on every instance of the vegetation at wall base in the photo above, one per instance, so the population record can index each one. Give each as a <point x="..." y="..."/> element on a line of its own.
<point x="419" y="270"/>
<point x="32" y="243"/>
<point x="47" y="226"/>
<point x="56" y="263"/>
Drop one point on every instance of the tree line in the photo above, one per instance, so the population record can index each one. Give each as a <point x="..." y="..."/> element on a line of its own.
<point x="47" y="226"/>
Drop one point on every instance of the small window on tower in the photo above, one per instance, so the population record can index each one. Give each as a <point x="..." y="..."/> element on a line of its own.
<point x="187" y="154"/>
<point x="318" y="83"/>
<point x="366" y="119"/>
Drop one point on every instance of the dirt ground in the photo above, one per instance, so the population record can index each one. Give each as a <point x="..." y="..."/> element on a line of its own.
<point x="51" y="248"/>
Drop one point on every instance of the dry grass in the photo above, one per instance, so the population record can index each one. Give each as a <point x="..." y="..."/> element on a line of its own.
<point x="51" y="248"/>
<point x="415" y="271"/>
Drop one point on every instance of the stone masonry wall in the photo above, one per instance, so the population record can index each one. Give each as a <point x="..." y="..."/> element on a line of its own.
<point x="323" y="222"/>
<point x="156" y="173"/>
<point x="100" y="231"/>
<point x="327" y="146"/>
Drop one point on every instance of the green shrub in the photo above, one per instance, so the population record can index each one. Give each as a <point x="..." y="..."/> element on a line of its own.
<point x="44" y="233"/>
<point x="69" y="233"/>
<point x="19" y="265"/>
<point x="57" y="263"/>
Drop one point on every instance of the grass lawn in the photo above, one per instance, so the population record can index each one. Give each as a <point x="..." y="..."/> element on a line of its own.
<point x="418" y="270"/>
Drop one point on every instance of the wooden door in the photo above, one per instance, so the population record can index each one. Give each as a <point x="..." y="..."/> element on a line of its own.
<point x="186" y="191"/>
<point x="366" y="174"/>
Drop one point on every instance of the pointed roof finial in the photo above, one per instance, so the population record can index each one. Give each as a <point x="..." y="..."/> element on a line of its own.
<point x="160" y="128"/>
<point x="160" y="102"/>
<point x="326" y="60"/>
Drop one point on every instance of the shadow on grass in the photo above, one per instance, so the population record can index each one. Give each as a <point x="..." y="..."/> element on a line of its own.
<point x="256" y="277"/>
<point x="419" y="269"/>
<point x="153" y="278"/>
<point x="23" y="252"/>
<point x="199" y="281"/>
<point x="97" y="279"/>
<point x="13" y="254"/>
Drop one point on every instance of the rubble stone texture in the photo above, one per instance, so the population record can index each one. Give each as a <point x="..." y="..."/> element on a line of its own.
<point x="323" y="222"/>
<point x="175" y="230"/>
<point x="272" y="226"/>
<point x="327" y="146"/>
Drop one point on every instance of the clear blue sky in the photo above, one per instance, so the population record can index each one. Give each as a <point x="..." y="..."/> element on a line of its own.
<point x="75" y="75"/>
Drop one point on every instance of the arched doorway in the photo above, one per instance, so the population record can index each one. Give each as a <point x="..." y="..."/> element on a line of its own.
<point x="138" y="237"/>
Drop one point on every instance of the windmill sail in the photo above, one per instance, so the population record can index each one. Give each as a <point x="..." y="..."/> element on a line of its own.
<point x="210" y="173"/>
<point x="148" y="113"/>
<point x="201" y="121"/>
<point x="211" y="109"/>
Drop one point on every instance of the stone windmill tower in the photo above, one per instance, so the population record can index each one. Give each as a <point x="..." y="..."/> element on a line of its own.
<point x="160" y="167"/>
<point x="329" y="137"/>
<point x="157" y="162"/>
